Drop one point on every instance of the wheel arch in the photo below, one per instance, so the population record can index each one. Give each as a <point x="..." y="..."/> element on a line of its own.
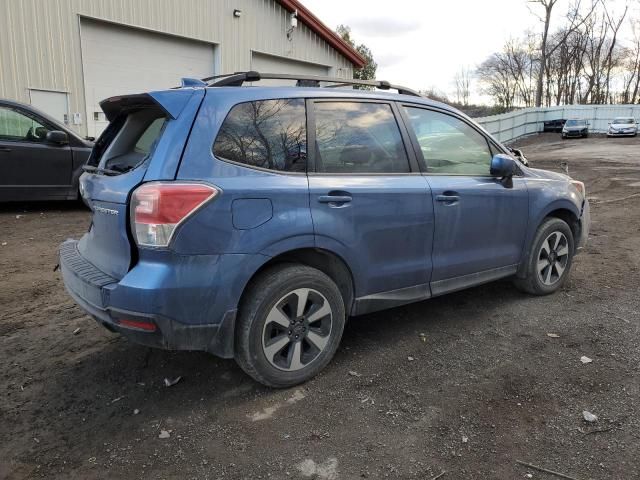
<point x="564" y="210"/>
<point x="328" y="262"/>
<point x="569" y="217"/>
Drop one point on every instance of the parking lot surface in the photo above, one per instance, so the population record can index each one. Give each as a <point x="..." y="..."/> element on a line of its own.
<point x="466" y="384"/>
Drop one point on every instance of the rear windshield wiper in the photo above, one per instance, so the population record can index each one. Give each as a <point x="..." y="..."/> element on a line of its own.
<point x="104" y="171"/>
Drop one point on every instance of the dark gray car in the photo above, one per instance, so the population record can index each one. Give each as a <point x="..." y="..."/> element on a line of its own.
<point x="40" y="158"/>
<point x="575" y="127"/>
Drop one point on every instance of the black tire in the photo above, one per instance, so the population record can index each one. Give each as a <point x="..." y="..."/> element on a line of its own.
<point x="533" y="283"/>
<point x="271" y="292"/>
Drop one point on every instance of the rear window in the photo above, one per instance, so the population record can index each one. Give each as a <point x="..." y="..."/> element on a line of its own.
<point x="267" y="134"/>
<point x="129" y="140"/>
<point x="150" y="135"/>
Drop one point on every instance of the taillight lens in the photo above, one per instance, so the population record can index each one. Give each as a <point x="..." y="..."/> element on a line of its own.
<point x="158" y="208"/>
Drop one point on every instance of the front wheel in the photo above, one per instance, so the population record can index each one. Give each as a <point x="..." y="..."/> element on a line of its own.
<point x="550" y="258"/>
<point x="289" y="325"/>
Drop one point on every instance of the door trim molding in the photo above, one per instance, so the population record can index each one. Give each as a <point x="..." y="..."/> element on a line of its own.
<point x="390" y="299"/>
<point x="441" y="287"/>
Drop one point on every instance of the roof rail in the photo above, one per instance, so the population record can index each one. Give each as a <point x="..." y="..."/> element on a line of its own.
<point x="238" y="78"/>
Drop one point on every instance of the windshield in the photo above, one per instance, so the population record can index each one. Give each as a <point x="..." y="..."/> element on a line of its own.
<point x="574" y="123"/>
<point x="624" y="121"/>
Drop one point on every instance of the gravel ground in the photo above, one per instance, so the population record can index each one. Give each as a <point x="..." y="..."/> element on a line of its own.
<point x="465" y="384"/>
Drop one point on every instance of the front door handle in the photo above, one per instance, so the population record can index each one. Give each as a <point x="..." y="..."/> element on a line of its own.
<point x="334" y="198"/>
<point x="448" y="198"/>
<point x="5" y="149"/>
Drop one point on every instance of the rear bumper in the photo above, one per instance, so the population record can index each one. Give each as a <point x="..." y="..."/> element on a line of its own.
<point x="144" y="295"/>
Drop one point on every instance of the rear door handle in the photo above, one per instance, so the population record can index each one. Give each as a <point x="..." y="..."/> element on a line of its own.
<point x="5" y="149"/>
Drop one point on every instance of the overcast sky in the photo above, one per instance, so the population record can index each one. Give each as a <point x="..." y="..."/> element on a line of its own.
<point x="423" y="43"/>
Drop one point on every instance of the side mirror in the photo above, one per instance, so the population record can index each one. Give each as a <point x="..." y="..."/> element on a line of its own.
<point x="57" y="137"/>
<point x="505" y="167"/>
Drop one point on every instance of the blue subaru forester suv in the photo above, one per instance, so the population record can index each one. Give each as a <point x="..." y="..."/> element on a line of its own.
<point x="251" y="221"/>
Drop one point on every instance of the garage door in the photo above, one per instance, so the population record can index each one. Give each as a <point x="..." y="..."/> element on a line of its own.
<point x="261" y="62"/>
<point x="118" y="60"/>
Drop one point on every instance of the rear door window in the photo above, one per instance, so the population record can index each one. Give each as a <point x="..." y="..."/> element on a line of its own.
<point x="358" y="137"/>
<point x="268" y="134"/>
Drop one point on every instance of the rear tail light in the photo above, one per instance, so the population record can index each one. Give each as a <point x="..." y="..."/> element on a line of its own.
<point x="158" y="208"/>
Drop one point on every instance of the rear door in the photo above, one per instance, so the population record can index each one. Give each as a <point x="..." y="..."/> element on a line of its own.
<point x="143" y="142"/>
<point x="368" y="200"/>
<point x="480" y="224"/>
<point x="31" y="167"/>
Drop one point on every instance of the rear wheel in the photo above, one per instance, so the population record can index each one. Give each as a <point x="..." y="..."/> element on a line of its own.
<point x="289" y="325"/>
<point x="550" y="258"/>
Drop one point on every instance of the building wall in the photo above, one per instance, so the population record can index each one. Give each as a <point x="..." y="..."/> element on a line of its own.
<point x="40" y="39"/>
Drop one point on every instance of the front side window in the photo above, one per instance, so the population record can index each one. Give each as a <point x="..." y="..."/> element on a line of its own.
<point x="449" y="145"/>
<point x="358" y="137"/>
<point x="268" y="134"/>
<point x="17" y="127"/>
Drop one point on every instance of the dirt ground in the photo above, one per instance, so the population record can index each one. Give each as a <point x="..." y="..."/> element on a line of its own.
<point x="465" y="384"/>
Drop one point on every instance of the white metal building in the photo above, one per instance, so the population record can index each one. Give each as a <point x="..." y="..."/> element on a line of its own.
<point x="65" y="56"/>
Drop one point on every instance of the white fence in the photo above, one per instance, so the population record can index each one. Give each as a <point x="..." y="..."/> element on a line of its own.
<point x="511" y="126"/>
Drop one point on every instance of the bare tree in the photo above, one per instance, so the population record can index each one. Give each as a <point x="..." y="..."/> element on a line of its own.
<point x="462" y="82"/>
<point x="632" y="60"/>
<point x="496" y="79"/>
<point x="612" y="60"/>
<point x="575" y="19"/>
<point x="584" y="60"/>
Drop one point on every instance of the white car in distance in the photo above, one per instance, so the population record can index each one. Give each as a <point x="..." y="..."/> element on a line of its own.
<point x="623" y="126"/>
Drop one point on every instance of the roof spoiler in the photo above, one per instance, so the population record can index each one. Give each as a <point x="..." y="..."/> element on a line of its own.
<point x="171" y="102"/>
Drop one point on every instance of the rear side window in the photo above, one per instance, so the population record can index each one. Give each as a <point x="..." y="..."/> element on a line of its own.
<point x="267" y="134"/>
<point x="358" y="137"/>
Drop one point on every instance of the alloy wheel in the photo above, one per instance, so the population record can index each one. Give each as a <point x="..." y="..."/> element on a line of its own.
<point x="553" y="258"/>
<point x="297" y="329"/>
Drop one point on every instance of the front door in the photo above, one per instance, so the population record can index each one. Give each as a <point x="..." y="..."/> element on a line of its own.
<point x="31" y="167"/>
<point x="369" y="203"/>
<point x="480" y="224"/>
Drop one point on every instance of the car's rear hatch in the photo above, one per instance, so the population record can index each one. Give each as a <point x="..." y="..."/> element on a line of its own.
<point x="144" y="141"/>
